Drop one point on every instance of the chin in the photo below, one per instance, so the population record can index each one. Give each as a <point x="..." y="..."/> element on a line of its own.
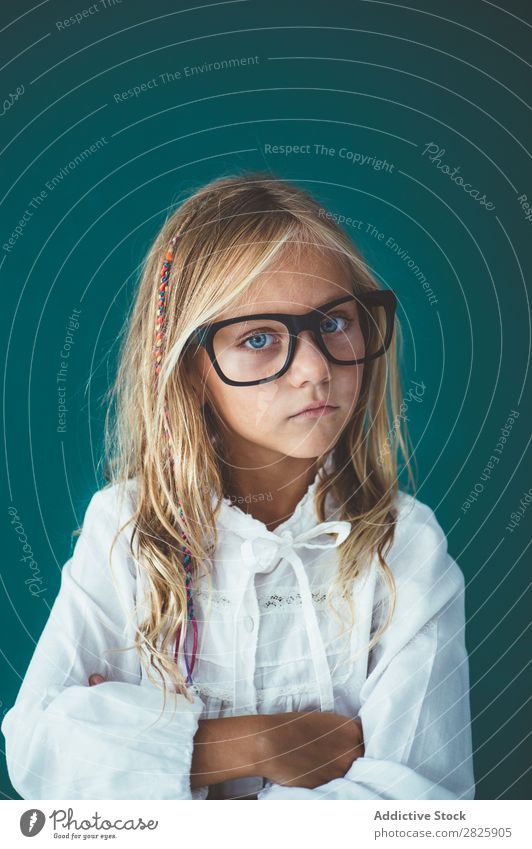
<point x="308" y="449"/>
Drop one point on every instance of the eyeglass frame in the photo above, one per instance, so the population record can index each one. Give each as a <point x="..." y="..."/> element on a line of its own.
<point x="295" y="324"/>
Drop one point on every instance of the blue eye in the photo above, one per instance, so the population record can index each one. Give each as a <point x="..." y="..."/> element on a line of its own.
<point x="335" y="319"/>
<point x="254" y="338"/>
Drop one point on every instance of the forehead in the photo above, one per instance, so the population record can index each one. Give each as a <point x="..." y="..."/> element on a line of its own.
<point x="293" y="286"/>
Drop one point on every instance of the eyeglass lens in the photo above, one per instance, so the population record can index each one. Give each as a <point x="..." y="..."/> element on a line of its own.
<point x="257" y="349"/>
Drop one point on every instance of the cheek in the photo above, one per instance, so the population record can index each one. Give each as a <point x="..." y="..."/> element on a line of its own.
<point x="254" y="409"/>
<point x="261" y="411"/>
<point x="349" y="383"/>
<point x="244" y="410"/>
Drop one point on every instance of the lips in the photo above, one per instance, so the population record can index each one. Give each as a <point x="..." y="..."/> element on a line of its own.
<point x="316" y="409"/>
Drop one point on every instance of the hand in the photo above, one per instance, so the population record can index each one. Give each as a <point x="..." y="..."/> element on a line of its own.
<point x="95" y="679"/>
<point x="309" y="748"/>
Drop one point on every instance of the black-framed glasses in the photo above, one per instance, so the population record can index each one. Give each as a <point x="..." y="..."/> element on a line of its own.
<point x="251" y="349"/>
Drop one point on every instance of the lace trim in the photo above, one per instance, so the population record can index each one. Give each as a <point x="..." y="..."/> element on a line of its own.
<point x="283" y="598"/>
<point x="225" y="694"/>
<point x="216" y="597"/>
<point x="291" y="599"/>
<point x="222" y="693"/>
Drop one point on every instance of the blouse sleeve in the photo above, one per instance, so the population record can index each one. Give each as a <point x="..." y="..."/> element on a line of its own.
<point x="68" y="740"/>
<point x="414" y="703"/>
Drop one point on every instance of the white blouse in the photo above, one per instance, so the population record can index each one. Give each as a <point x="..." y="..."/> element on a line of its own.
<point x="267" y="644"/>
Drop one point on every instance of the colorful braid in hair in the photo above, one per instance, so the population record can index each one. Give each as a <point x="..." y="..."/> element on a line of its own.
<point x="160" y="327"/>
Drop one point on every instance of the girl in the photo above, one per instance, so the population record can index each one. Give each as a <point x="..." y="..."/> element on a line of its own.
<point x="251" y="555"/>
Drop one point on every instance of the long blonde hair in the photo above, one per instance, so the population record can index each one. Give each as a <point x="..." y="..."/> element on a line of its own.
<point x="231" y="230"/>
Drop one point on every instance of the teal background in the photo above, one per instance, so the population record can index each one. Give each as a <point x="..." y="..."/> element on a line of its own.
<point x="376" y="78"/>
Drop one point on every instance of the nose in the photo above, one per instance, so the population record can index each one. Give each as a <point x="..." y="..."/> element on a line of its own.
<point x="308" y="362"/>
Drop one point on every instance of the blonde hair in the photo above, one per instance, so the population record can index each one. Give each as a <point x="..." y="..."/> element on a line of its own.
<point x="231" y="230"/>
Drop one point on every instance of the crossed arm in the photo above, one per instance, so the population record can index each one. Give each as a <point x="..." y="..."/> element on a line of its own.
<point x="305" y="748"/>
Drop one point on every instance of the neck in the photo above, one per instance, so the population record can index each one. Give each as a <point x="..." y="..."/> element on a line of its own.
<point x="270" y="493"/>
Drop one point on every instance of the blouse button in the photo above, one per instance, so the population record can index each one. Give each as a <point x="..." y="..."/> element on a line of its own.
<point x="249" y="624"/>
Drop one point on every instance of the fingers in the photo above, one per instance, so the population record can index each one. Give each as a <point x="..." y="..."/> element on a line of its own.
<point x="95" y="679"/>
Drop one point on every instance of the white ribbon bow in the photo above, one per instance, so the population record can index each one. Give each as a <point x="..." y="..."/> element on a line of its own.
<point x="284" y="545"/>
